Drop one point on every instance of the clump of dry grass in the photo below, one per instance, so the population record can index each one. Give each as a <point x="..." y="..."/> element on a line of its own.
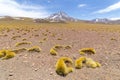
<point x="36" y="35"/>
<point x="34" y="49"/>
<point x="19" y="50"/>
<point x="24" y="39"/>
<point x="88" y="62"/>
<point x="4" y="35"/>
<point x="64" y="66"/>
<point x="6" y="54"/>
<point x="2" y="54"/>
<point x="58" y="46"/>
<point x="87" y="50"/>
<point x="59" y="38"/>
<point x="67" y="46"/>
<point x="44" y="34"/>
<point x="41" y="41"/>
<point x="79" y="63"/>
<point x="53" y="34"/>
<point x="23" y="43"/>
<point x="53" y="51"/>
<point x="14" y="37"/>
<point x="44" y="39"/>
<point x="113" y="39"/>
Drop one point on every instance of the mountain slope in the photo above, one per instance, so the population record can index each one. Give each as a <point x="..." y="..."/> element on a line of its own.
<point x="60" y="16"/>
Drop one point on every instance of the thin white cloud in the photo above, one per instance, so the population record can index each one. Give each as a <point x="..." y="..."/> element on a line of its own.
<point x="110" y="8"/>
<point x="82" y="5"/>
<point x="13" y="8"/>
<point x="115" y="18"/>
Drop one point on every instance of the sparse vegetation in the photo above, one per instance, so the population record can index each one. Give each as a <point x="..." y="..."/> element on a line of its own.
<point x="6" y="54"/>
<point x="44" y="39"/>
<point x="64" y="66"/>
<point x="41" y="41"/>
<point x="67" y="46"/>
<point x="19" y="50"/>
<point x="34" y="49"/>
<point x="53" y="51"/>
<point x="14" y="37"/>
<point x="88" y="62"/>
<point x="58" y="46"/>
<point x="53" y="34"/>
<point x="44" y="34"/>
<point x="23" y="43"/>
<point x="2" y="53"/>
<point x="113" y="39"/>
<point x="87" y="50"/>
<point x="79" y="63"/>
<point x="24" y="39"/>
<point x="59" y="38"/>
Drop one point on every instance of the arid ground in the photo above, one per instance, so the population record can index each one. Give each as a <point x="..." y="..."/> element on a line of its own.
<point x="105" y="39"/>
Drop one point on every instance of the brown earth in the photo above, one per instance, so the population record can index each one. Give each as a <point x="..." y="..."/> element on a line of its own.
<point x="41" y="66"/>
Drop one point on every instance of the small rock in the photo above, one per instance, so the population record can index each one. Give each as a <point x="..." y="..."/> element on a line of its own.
<point x="11" y="74"/>
<point x="51" y="73"/>
<point x="36" y="69"/>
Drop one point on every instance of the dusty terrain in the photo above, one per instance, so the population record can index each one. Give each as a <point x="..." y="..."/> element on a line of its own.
<point x="105" y="39"/>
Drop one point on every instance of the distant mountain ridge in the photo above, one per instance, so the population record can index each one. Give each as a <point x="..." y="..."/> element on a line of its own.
<point x="106" y="21"/>
<point x="61" y="17"/>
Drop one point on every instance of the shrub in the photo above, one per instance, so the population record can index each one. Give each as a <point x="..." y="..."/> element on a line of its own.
<point x="87" y="50"/>
<point x="79" y="63"/>
<point x="53" y="51"/>
<point x="35" y="49"/>
<point x="62" y="67"/>
<point x="22" y="43"/>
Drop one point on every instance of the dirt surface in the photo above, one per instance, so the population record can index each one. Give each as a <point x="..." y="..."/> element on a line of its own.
<point x="41" y="66"/>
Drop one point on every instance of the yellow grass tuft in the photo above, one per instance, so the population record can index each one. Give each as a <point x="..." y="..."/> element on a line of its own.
<point x="14" y="37"/>
<point x="53" y="51"/>
<point x="113" y="39"/>
<point x="91" y="63"/>
<point x="59" y="38"/>
<point x="79" y="63"/>
<point x="7" y="54"/>
<point x="34" y="49"/>
<point x="88" y="62"/>
<point x="67" y="46"/>
<point x="87" y="50"/>
<point x="58" y="46"/>
<point x="24" y="39"/>
<point x="64" y="66"/>
<point x="19" y="50"/>
<point x="2" y="53"/>
<point x="22" y="43"/>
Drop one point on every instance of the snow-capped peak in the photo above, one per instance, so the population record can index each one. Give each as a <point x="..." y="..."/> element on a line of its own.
<point x="60" y="16"/>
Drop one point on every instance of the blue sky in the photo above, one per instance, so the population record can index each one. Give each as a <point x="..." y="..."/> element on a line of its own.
<point x="81" y="9"/>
